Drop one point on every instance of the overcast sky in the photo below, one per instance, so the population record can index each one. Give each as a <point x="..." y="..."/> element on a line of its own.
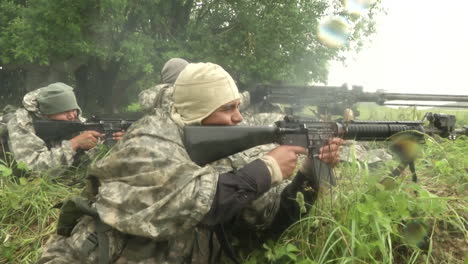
<point x="421" y="46"/>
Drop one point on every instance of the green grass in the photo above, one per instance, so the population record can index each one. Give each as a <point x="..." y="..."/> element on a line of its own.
<point x="364" y="219"/>
<point x="372" y="218"/>
<point x="26" y="215"/>
<point x="369" y="218"/>
<point x="370" y="111"/>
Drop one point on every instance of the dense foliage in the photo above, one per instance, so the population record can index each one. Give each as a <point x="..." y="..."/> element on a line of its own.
<point x="110" y="49"/>
<point x="366" y="218"/>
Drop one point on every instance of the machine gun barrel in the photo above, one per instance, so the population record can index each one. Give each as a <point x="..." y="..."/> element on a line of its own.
<point x="335" y="99"/>
<point x="381" y="98"/>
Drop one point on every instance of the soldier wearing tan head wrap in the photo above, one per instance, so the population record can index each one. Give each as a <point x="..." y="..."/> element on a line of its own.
<point x="157" y="206"/>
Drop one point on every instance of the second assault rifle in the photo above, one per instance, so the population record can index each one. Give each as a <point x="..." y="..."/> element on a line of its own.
<point x="49" y="130"/>
<point x="333" y="100"/>
<point x="206" y="144"/>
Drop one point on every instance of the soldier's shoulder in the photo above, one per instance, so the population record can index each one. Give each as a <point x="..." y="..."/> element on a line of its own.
<point x="154" y="89"/>
<point x="21" y="117"/>
<point x="152" y="98"/>
<point x="263" y="119"/>
<point x="160" y="126"/>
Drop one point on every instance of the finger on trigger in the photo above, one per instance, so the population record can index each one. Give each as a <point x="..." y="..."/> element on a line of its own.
<point x="299" y="150"/>
<point x="95" y="133"/>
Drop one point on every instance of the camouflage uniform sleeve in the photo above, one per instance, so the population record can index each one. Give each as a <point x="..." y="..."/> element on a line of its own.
<point x="149" y="186"/>
<point x="147" y="99"/>
<point x="262" y="212"/>
<point x="32" y="150"/>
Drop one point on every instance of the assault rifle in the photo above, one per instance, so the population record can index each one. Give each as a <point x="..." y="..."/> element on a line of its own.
<point x="206" y="144"/>
<point x="50" y="130"/>
<point x="333" y="100"/>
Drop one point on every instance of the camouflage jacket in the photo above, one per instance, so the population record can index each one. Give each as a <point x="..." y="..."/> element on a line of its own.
<point x="159" y="96"/>
<point x="29" y="148"/>
<point x="150" y="188"/>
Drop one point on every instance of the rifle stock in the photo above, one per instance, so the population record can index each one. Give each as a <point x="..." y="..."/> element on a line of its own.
<point x="209" y="143"/>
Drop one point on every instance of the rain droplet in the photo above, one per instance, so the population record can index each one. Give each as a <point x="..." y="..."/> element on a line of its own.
<point x="334" y="31"/>
<point x="357" y="6"/>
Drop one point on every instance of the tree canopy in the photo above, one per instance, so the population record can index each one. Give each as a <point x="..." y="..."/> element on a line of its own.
<point x="110" y="49"/>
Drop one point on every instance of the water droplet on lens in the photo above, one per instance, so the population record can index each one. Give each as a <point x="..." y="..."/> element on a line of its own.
<point x="358" y="6"/>
<point x="334" y="31"/>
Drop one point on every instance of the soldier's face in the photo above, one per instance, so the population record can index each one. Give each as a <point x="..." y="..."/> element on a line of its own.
<point x="226" y="115"/>
<point x="70" y="115"/>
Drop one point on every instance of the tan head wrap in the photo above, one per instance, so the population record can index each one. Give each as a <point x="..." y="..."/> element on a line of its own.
<point x="200" y="89"/>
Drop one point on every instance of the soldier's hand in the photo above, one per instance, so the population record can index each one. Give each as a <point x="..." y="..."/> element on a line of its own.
<point x="85" y="140"/>
<point x="286" y="157"/>
<point x="118" y="135"/>
<point x="330" y="153"/>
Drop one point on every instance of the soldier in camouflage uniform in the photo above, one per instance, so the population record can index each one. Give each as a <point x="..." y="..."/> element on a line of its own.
<point x="160" y="96"/>
<point x="160" y="207"/>
<point x="55" y="102"/>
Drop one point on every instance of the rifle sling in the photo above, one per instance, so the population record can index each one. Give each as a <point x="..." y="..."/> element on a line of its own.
<point x="70" y="212"/>
<point x="225" y="244"/>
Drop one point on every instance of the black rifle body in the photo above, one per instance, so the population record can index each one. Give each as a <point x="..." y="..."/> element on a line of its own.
<point x="206" y="144"/>
<point x="60" y="130"/>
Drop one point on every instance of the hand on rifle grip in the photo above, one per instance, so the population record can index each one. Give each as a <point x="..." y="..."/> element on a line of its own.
<point x="286" y="157"/>
<point x="330" y="153"/>
<point x="85" y="140"/>
<point x="118" y="135"/>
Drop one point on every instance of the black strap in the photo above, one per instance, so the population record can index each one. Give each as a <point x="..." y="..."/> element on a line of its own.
<point x="103" y="241"/>
<point x="160" y="96"/>
<point x="399" y="170"/>
<point x="89" y="245"/>
<point x="98" y="239"/>
<point x="225" y="244"/>
<point x="71" y="211"/>
<point x="413" y="170"/>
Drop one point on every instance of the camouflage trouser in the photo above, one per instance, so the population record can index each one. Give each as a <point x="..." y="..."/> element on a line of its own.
<point x="80" y="247"/>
